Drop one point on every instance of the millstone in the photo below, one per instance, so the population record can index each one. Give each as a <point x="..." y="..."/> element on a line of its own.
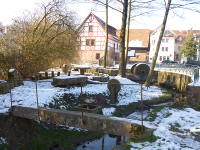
<point x="140" y="71"/>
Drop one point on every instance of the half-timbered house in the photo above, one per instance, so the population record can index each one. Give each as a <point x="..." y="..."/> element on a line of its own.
<point x="92" y="41"/>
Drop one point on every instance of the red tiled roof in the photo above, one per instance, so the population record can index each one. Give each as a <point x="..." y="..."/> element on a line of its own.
<point x="140" y="35"/>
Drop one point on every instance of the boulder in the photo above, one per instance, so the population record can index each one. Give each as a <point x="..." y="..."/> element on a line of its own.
<point x="65" y="81"/>
<point x="14" y="78"/>
<point x="114" y="87"/>
<point x="4" y="87"/>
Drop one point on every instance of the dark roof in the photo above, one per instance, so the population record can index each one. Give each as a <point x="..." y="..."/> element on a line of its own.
<point x="111" y="30"/>
<point x="139" y="48"/>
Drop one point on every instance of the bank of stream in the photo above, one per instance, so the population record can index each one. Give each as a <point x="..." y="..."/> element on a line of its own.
<point x="22" y="134"/>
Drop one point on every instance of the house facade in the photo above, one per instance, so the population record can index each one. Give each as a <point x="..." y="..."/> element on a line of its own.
<point x="170" y="47"/>
<point x="139" y="45"/>
<point x="92" y="41"/>
<point x="171" y="44"/>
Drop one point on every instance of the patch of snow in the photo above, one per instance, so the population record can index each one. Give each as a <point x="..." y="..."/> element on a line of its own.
<point x="108" y="111"/>
<point x="69" y="77"/>
<point x="25" y="95"/>
<point x="11" y="70"/>
<point x="173" y="130"/>
<point x="197" y="83"/>
<point x="3" y="141"/>
<point x="86" y="66"/>
<point x="3" y="81"/>
<point x="195" y="129"/>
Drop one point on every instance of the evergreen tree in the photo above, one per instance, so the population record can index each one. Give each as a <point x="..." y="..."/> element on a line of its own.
<point x="189" y="47"/>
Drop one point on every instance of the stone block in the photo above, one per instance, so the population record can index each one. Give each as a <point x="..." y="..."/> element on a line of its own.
<point x="4" y="87"/>
<point x="65" y="81"/>
<point x="14" y="78"/>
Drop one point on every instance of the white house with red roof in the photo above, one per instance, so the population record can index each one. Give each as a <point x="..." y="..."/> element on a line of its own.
<point x="92" y="41"/>
<point x="171" y="44"/>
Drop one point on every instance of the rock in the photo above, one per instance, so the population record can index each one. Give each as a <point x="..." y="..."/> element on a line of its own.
<point x="114" y="87"/>
<point x="65" y="81"/>
<point x="4" y="87"/>
<point x="100" y="78"/>
<point x="14" y="78"/>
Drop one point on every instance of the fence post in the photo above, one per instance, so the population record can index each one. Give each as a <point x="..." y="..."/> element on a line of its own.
<point x="81" y="89"/>
<point x="11" y="99"/>
<point x="142" y="106"/>
<point x="36" y="92"/>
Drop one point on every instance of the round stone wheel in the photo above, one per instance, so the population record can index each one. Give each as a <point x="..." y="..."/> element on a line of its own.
<point x="114" y="85"/>
<point x="132" y="68"/>
<point x="141" y="70"/>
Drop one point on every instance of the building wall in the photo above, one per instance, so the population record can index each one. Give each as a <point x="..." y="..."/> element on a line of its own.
<point x="140" y="57"/>
<point x="167" y="47"/>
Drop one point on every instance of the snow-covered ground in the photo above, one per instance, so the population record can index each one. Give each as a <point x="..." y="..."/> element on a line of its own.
<point x="173" y="129"/>
<point x="25" y="95"/>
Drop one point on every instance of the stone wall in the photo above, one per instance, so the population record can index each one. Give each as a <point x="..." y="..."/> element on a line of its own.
<point x="89" y="56"/>
<point x="175" y="81"/>
<point x="111" y="125"/>
<point x="193" y="96"/>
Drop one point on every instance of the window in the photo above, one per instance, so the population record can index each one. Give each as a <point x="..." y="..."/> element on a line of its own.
<point x="93" y="42"/>
<point x="166" y="49"/>
<point x="167" y="57"/>
<point x="163" y="40"/>
<point x="160" y="58"/>
<point x="97" y="55"/>
<point x="90" y="28"/>
<point x="163" y="49"/>
<point x="88" y="42"/>
<point x="167" y="40"/>
<point x="164" y="57"/>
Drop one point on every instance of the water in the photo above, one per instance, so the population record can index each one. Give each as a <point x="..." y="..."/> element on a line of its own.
<point x="109" y="143"/>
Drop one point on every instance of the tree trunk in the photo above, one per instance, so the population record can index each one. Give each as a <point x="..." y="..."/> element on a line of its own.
<point x="149" y="77"/>
<point x="122" y="64"/>
<point x="128" y="31"/>
<point x="106" y="43"/>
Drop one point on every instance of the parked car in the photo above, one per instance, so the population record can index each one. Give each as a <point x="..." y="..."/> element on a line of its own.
<point x="192" y="63"/>
<point x="169" y="62"/>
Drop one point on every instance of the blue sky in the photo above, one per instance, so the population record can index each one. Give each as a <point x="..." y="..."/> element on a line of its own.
<point x="15" y="8"/>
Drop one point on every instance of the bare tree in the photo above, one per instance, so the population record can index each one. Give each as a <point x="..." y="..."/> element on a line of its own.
<point x="127" y="33"/>
<point x="41" y="40"/>
<point x="149" y="77"/>
<point x="106" y="43"/>
<point x="122" y="64"/>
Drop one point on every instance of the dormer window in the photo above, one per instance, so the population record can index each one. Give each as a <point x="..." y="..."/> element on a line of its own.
<point x="90" y="28"/>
